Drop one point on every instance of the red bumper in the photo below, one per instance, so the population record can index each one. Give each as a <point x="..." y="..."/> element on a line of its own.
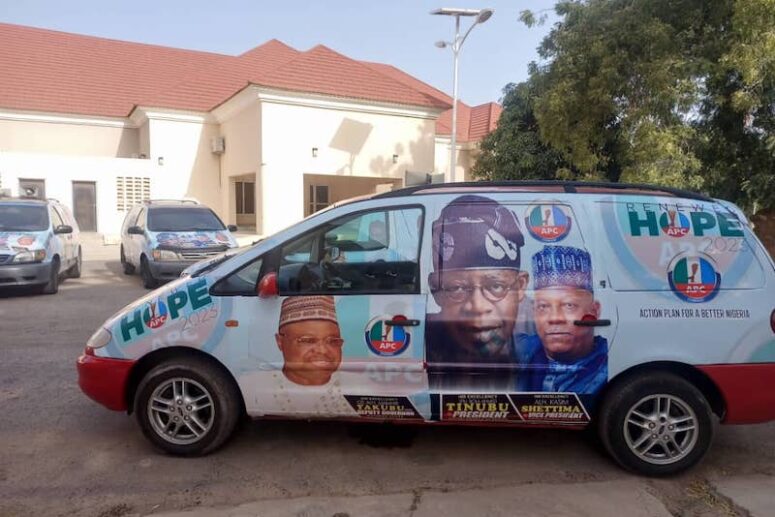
<point x="748" y="390"/>
<point x="104" y="380"/>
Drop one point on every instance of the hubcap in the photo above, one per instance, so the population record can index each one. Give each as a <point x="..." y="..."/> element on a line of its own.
<point x="661" y="429"/>
<point x="181" y="411"/>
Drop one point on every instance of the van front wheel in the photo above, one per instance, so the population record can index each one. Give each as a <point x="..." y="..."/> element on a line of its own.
<point x="187" y="406"/>
<point x="149" y="282"/>
<point x="656" y="424"/>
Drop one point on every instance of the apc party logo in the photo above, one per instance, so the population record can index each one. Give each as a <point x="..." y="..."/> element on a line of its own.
<point x="548" y="223"/>
<point x="674" y="223"/>
<point x="694" y="278"/>
<point x="155" y="314"/>
<point x="387" y="340"/>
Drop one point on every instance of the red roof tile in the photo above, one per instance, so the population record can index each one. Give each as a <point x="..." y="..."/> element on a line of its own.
<point x="322" y="70"/>
<point x="484" y="119"/>
<point x="473" y="124"/>
<point x="44" y="70"/>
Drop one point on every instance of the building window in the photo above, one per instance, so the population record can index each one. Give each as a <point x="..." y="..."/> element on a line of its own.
<point x="131" y="190"/>
<point x="318" y="198"/>
<point x="246" y="197"/>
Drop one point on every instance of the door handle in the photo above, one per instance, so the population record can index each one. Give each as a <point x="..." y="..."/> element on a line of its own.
<point x="592" y="323"/>
<point x="403" y="323"/>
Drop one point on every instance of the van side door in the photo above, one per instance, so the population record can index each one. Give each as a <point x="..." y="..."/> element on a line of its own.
<point x="345" y="335"/>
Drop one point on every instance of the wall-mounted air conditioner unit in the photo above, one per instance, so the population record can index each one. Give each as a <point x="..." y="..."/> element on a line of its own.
<point x="218" y="145"/>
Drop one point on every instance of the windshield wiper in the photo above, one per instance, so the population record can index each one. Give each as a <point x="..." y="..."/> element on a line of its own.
<point x="213" y="264"/>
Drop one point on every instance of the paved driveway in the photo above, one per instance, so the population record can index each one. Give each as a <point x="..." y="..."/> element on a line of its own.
<point x="62" y="454"/>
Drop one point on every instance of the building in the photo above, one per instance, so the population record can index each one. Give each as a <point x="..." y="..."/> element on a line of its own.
<point x="264" y="138"/>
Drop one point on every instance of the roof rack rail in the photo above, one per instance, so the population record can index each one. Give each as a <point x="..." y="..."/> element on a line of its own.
<point x="570" y="187"/>
<point x="152" y="201"/>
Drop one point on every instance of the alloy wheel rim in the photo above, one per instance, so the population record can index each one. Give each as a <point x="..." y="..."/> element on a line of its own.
<point x="181" y="411"/>
<point x="661" y="429"/>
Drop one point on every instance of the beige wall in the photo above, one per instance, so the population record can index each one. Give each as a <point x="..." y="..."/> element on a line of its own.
<point x="190" y="167"/>
<point x="59" y="172"/>
<point x="144" y="139"/>
<point x="465" y="159"/>
<point x="68" y="139"/>
<point x="242" y="133"/>
<point x="349" y="143"/>
<point x="345" y="187"/>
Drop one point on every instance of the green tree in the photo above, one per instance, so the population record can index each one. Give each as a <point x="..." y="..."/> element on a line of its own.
<point x="672" y="92"/>
<point x="514" y="150"/>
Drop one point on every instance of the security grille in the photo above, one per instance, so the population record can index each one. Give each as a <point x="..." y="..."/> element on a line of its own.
<point x="196" y="255"/>
<point x="131" y="190"/>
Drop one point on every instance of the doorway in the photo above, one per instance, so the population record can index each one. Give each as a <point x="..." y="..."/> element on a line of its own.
<point x="85" y="205"/>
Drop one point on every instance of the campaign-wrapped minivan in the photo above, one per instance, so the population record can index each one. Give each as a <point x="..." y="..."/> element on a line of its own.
<point x="647" y="312"/>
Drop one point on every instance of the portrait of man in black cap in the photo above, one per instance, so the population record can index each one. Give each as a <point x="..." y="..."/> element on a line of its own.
<point x="564" y="357"/>
<point x="478" y="285"/>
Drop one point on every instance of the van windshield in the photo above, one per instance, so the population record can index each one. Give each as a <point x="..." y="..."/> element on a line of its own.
<point x="21" y="218"/>
<point x="183" y="220"/>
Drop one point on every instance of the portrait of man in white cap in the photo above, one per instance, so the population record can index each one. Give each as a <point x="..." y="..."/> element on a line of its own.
<point x="565" y="357"/>
<point x="309" y="383"/>
<point x="309" y="338"/>
<point x="478" y="285"/>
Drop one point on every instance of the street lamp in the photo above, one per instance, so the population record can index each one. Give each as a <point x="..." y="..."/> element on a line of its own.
<point x="482" y="15"/>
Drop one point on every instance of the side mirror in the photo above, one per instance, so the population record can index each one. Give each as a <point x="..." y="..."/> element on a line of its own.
<point x="63" y="228"/>
<point x="135" y="230"/>
<point x="232" y="227"/>
<point x="267" y="287"/>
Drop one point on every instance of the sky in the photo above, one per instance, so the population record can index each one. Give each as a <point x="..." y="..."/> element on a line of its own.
<point x="399" y="32"/>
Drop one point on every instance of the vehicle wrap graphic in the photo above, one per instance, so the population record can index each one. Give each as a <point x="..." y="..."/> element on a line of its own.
<point x="548" y="223"/>
<point x="192" y="240"/>
<point x="10" y="241"/>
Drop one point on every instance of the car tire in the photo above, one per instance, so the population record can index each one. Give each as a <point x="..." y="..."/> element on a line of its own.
<point x="128" y="268"/>
<point x="52" y="286"/>
<point x="75" y="269"/>
<point x="177" y="427"/>
<point x="656" y="424"/>
<point x="149" y="282"/>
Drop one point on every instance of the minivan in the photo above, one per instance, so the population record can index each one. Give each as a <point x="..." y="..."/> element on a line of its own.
<point x="644" y="313"/>
<point x="161" y="238"/>
<point x="39" y="244"/>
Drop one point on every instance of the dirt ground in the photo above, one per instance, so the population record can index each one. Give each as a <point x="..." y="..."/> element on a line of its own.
<point x="62" y="454"/>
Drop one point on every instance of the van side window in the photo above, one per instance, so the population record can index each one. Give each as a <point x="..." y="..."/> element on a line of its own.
<point x="375" y="252"/>
<point x="140" y="221"/>
<point x="241" y="282"/>
<point x="56" y="219"/>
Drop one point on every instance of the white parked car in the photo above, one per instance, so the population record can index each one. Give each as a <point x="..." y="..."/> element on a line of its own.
<point x="162" y="238"/>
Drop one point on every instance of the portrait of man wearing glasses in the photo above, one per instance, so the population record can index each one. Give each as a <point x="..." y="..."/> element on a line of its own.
<point x="478" y="285"/>
<point x="310" y="341"/>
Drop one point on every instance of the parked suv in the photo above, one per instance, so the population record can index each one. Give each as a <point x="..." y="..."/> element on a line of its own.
<point x="39" y="244"/>
<point x="645" y="312"/>
<point x="161" y="238"/>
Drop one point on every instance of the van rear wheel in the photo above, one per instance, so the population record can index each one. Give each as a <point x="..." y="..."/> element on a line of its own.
<point x="656" y="424"/>
<point x="187" y="406"/>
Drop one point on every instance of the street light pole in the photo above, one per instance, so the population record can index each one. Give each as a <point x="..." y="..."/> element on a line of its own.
<point x="482" y="15"/>
<point x="453" y="149"/>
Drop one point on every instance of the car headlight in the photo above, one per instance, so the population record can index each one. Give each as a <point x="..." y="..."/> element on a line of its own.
<point x="99" y="339"/>
<point x="24" y="255"/>
<point x="162" y="255"/>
